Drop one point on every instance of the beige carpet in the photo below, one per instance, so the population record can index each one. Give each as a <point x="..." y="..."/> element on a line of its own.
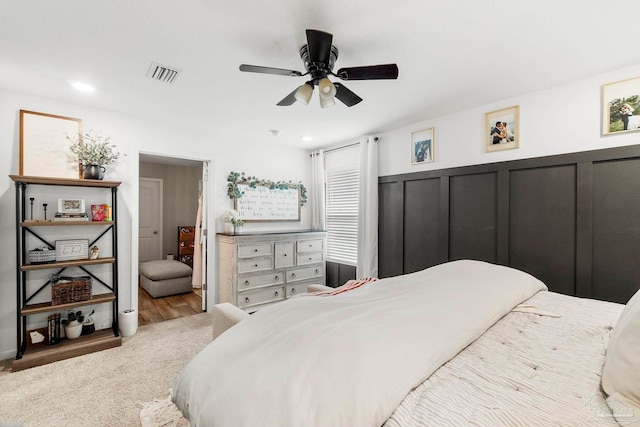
<point x="107" y="388"/>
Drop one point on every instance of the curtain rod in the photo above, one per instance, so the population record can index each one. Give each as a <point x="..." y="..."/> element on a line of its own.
<point x="341" y="147"/>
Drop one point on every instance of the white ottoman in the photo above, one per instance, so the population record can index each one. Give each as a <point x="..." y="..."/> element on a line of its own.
<point x="165" y="277"/>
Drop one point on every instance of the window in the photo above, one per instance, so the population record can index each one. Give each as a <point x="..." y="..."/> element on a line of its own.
<point x="342" y="214"/>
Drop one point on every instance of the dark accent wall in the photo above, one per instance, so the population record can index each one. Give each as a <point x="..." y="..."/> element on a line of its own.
<point x="572" y="220"/>
<point x="339" y="274"/>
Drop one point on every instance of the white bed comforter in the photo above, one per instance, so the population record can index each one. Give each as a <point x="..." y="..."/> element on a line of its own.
<point x="347" y="360"/>
<point x="526" y="370"/>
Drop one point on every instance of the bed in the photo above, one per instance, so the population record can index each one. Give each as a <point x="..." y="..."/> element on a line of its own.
<point x="462" y="343"/>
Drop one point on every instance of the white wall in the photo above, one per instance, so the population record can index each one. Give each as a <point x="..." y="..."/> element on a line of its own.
<point x="133" y="135"/>
<point x="559" y="120"/>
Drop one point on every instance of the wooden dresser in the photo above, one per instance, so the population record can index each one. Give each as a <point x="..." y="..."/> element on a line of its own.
<point x="186" y="236"/>
<point x="256" y="270"/>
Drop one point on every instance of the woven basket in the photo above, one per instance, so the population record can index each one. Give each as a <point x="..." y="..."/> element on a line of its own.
<point x="71" y="289"/>
<point x="41" y="256"/>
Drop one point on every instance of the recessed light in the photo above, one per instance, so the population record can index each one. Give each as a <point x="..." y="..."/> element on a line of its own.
<point x="274" y="132"/>
<point x="83" y="87"/>
<point x="307" y="138"/>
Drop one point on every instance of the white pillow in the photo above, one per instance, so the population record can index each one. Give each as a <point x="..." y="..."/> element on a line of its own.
<point x="621" y="373"/>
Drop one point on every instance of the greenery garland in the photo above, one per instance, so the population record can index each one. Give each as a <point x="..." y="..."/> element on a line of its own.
<point x="236" y="178"/>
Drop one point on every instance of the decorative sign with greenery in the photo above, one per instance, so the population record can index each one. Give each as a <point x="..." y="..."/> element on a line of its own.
<point x="239" y="178"/>
<point x="263" y="200"/>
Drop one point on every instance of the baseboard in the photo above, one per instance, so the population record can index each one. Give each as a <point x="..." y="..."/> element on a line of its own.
<point x="8" y="354"/>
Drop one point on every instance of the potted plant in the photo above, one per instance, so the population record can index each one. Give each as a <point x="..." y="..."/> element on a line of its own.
<point x="73" y="324"/>
<point x="94" y="152"/>
<point x="87" y="326"/>
<point x="231" y="221"/>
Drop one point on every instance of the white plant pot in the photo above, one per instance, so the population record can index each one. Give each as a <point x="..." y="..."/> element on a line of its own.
<point x="228" y="228"/>
<point x="73" y="329"/>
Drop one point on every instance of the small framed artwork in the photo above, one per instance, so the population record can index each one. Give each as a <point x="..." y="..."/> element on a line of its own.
<point x="621" y="106"/>
<point x="67" y="250"/>
<point x="44" y="148"/>
<point x="502" y="131"/>
<point x="422" y="146"/>
<point x="70" y="206"/>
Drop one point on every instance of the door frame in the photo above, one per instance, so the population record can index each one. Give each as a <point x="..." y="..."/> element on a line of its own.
<point x="211" y="278"/>
<point x="161" y="219"/>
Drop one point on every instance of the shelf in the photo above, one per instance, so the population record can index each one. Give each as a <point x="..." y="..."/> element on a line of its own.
<point x="51" y="223"/>
<point x="46" y="306"/>
<point x="42" y="180"/>
<point x="65" y="349"/>
<point x="74" y="263"/>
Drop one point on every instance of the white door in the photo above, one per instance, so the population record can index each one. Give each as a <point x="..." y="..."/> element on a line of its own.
<point x="204" y="232"/>
<point x="150" y="220"/>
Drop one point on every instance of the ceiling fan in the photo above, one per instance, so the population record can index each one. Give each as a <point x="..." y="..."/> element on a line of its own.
<point x="319" y="56"/>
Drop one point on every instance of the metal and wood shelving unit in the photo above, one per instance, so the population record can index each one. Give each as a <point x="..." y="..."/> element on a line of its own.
<point x="99" y="340"/>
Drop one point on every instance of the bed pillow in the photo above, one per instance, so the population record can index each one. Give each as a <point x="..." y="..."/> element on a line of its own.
<point x="621" y="373"/>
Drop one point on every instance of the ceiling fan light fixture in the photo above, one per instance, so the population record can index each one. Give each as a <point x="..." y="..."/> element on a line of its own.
<point x="304" y="92"/>
<point x="327" y="102"/>
<point x="327" y="89"/>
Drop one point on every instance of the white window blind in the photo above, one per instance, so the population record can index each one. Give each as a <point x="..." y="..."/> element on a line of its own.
<point x="342" y="215"/>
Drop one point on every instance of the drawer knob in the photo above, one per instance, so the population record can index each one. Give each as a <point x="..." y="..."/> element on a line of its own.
<point x="317" y="271"/>
<point x="276" y="293"/>
<point x="293" y="274"/>
<point x="310" y="246"/>
<point x="293" y="290"/>
<point x="284" y="255"/>
<point x="246" y="283"/>
<point x="255" y="250"/>
<point x="310" y="259"/>
<point x="246" y="299"/>
<point x="277" y="277"/>
<point x="255" y="265"/>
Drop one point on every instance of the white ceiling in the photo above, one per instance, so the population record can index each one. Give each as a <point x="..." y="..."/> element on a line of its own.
<point x="452" y="55"/>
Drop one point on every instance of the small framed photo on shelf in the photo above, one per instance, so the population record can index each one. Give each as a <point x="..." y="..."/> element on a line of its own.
<point x="621" y="106"/>
<point x="422" y="146"/>
<point x="67" y="206"/>
<point x="502" y="129"/>
<point x="68" y="250"/>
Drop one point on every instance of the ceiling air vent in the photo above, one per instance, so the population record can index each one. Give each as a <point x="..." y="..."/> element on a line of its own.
<point x="162" y="73"/>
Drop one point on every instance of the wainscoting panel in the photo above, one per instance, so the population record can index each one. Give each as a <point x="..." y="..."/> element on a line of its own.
<point x="616" y="228"/>
<point x="422" y="224"/>
<point x="473" y="217"/>
<point x="542" y="225"/>
<point x="572" y="220"/>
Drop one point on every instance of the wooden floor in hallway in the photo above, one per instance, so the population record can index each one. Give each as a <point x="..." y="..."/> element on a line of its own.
<point x="154" y="310"/>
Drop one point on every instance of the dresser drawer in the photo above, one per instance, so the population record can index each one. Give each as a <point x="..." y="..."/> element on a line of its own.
<point x="296" y="289"/>
<point x="309" y="258"/>
<point x="248" y="282"/>
<point x="310" y="245"/>
<point x="284" y="255"/>
<point x="255" y="264"/>
<point x="304" y="273"/>
<point x="246" y="299"/>
<point x="259" y="249"/>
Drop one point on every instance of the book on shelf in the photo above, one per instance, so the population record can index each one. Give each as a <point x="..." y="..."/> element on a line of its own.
<point x="71" y="217"/>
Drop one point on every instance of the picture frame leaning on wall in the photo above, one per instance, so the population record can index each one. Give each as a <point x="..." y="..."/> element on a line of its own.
<point x="621" y="106"/>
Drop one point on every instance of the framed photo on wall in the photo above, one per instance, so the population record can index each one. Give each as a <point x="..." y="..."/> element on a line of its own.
<point x="502" y="129"/>
<point x="621" y="106"/>
<point x="422" y="146"/>
<point x="44" y="148"/>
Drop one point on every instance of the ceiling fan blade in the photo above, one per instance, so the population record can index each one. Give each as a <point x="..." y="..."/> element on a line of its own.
<point x="345" y="96"/>
<point x="269" y="70"/>
<point x="369" y="72"/>
<point x="319" y="45"/>
<point x="288" y="100"/>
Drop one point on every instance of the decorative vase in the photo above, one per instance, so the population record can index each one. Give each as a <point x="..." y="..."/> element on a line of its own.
<point x="73" y="329"/>
<point x="93" y="172"/>
<point x="88" y="327"/>
<point x="228" y="228"/>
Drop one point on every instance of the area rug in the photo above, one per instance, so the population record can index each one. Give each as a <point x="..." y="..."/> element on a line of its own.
<point x="110" y="387"/>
